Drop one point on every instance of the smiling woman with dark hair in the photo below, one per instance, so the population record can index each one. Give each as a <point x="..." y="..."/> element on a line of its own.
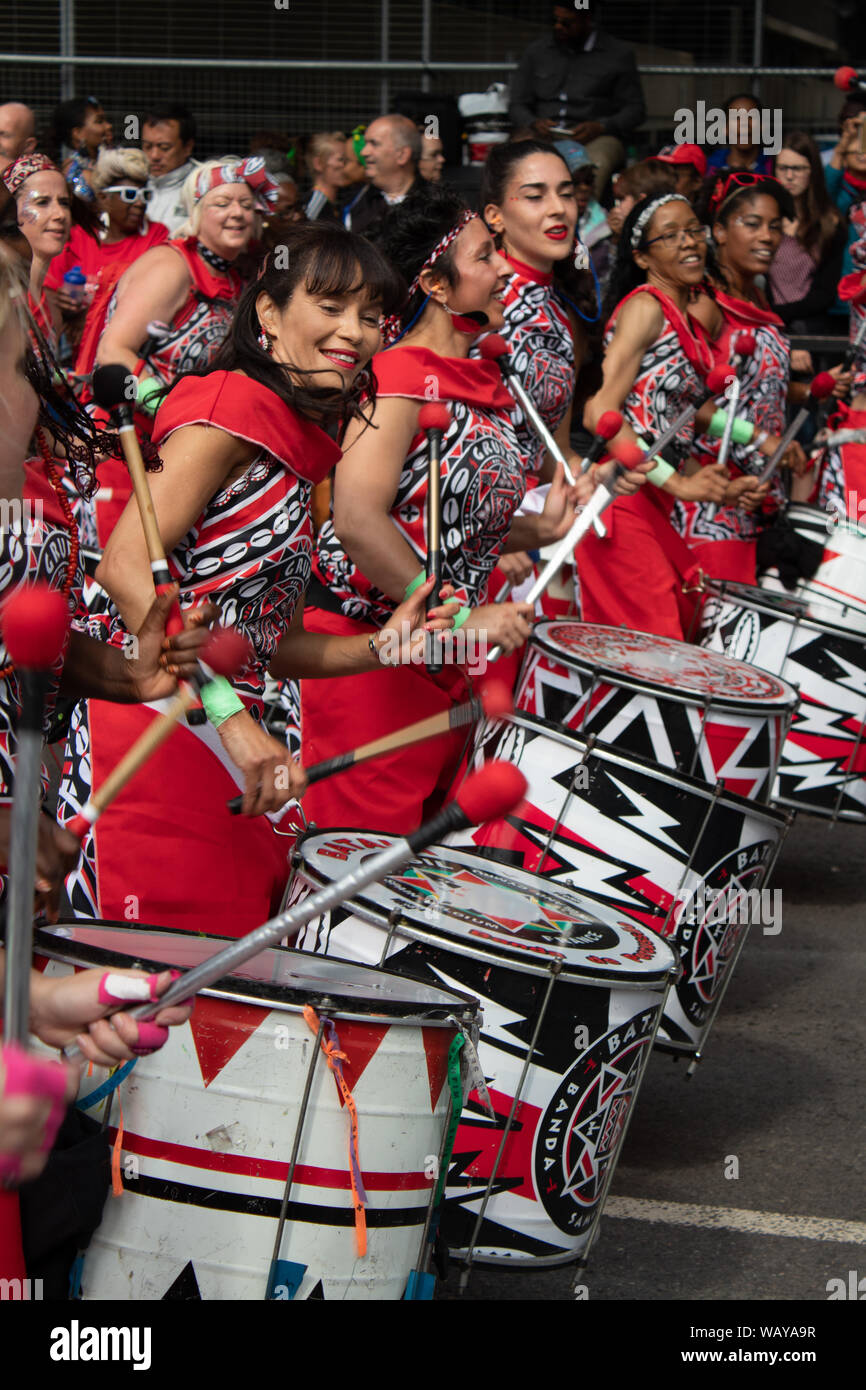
<point x="242" y="443"/>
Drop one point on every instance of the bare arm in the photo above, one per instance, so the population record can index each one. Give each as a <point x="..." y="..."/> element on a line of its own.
<point x="154" y="287"/>
<point x="365" y="486"/>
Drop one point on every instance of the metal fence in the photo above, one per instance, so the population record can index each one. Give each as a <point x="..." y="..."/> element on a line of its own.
<point x="303" y="65"/>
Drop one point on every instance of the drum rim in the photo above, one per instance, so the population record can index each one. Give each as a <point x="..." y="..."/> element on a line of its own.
<point x="433" y="1015"/>
<point x="776" y="706"/>
<point x="720" y="588"/>
<point x="402" y="926"/>
<point x="610" y="753"/>
<point x="795" y="509"/>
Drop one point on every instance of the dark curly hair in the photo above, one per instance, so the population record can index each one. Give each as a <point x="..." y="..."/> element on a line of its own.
<point x="411" y="231"/>
<point x="326" y="260"/>
<point x="734" y="203"/>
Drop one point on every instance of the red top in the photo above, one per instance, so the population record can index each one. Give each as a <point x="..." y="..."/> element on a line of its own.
<point x="91" y="255"/>
<point x="482" y="475"/>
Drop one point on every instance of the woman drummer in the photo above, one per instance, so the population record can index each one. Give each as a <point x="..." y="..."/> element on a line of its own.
<point x="745" y="211"/>
<point x="43" y="211"/>
<point x="655" y="362"/>
<point x="370" y="552"/>
<point x="241" y="445"/>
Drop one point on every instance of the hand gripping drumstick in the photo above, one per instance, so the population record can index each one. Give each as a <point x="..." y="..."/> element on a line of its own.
<point x="744" y="346"/>
<point x="495" y="702"/>
<point x="609" y="425"/>
<point x="434" y="420"/>
<point x="820" y="388"/>
<point x="223" y="655"/>
<point x="109" y="386"/>
<point x="35" y="621"/>
<point x="486" y="795"/>
<point x="626" y="455"/>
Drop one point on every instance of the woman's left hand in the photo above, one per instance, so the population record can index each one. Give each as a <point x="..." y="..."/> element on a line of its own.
<point x="69" y="1007"/>
<point x="557" y="516"/>
<point x="403" y="634"/>
<point x="843" y="377"/>
<point x="159" y="661"/>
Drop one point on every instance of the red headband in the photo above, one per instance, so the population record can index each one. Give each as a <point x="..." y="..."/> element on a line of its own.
<point x="20" y="169"/>
<point x="250" y="171"/>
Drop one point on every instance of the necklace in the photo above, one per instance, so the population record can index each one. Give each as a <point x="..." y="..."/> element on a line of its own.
<point x="219" y="263"/>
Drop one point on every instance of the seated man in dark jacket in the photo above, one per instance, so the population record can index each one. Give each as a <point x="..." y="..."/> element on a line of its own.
<point x="580" y="80"/>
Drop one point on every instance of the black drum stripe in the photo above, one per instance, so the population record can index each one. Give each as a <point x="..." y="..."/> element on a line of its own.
<point x="167" y="1190"/>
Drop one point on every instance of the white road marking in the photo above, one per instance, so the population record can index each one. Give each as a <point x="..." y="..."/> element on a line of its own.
<point x="760" y="1223"/>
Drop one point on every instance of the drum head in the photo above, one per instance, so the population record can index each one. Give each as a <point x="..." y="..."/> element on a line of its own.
<point x="795" y="607"/>
<point x="278" y="976"/>
<point x="493" y="910"/>
<point x="645" y="662"/>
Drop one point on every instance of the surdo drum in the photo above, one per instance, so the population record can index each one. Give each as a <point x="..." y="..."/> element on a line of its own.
<point x="823" y="763"/>
<point x="683" y="858"/>
<point x="670" y="702"/>
<point x="571" y="994"/>
<point x="211" y="1121"/>
<point x="836" y="592"/>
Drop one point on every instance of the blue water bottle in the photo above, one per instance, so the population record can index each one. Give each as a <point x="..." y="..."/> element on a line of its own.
<point x="74" y="281"/>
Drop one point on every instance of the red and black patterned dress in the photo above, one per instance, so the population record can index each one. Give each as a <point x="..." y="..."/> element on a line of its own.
<point x="483" y="481"/>
<point x="725" y="547"/>
<point x="634" y="577"/>
<point x="841" y="482"/>
<point x="167" y="851"/>
<point x="195" y="335"/>
<point x="538" y="332"/>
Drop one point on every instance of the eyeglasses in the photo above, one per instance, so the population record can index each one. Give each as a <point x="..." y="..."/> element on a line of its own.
<point x="680" y="235"/>
<point x="793" y="168"/>
<point x="130" y="193"/>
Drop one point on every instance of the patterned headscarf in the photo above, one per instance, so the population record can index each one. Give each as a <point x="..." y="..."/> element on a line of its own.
<point x="392" y="325"/>
<point x="22" y="168"/>
<point x="250" y="171"/>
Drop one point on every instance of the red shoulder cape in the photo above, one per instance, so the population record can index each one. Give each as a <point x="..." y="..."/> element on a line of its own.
<point x="693" y="340"/>
<point x="422" y="375"/>
<point x="243" y="407"/>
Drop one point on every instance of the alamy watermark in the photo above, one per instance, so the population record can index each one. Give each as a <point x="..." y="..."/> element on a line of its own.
<point x="734" y="906"/>
<point x="714" y="126"/>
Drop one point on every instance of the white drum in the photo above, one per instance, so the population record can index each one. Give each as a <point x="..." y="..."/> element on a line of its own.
<point x="836" y="593"/>
<point x="572" y="996"/>
<point x="212" y="1119"/>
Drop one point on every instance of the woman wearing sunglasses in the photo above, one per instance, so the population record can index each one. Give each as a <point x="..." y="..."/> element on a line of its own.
<point x="118" y="181"/>
<point x="655" y="363"/>
<point x="745" y="212"/>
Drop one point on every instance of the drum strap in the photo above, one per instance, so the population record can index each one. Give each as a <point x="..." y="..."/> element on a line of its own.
<point x="336" y="1058"/>
<point x="455" y="1085"/>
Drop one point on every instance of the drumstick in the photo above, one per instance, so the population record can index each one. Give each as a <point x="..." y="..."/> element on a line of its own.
<point x="486" y="795"/>
<point x="609" y="425"/>
<point x="820" y="388"/>
<point x="744" y="346"/>
<point x="494" y="348"/>
<point x="494" y="702"/>
<point x="626" y="456"/>
<point x="224" y="655"/>
<point x="434" y="420"/>
<point x="35" y="621"/>
<point x="109" y="386"/>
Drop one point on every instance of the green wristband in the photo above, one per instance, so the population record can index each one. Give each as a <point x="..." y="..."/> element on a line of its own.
<point x="220" y="701"/>
<point x="662" y="471"/>
<point x="741" y="433"/>
<point x="416" y="584"/>
<point x="148" y="387"/>
<point x="462" y="615"/>
<point x="659" y="475"/>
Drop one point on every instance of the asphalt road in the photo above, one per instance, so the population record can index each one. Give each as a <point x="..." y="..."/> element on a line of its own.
<point x="780" y="1089"/>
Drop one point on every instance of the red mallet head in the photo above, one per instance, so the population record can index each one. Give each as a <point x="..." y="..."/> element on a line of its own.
<point x="846" y="79"/>
<point x="745" y="343"/>
<point x="609" y="424"/>
<point x="821" y="386"/>
<point x="496" y="700"/>
<point x="491" y="792"/>
<point x="35" y="621"/>
<point x="227" y="652"/>
<point x="493" y="347"/>
<point x="718" y="379"/>
<point x="434" y="417"/>
<point x="628" y="454"/>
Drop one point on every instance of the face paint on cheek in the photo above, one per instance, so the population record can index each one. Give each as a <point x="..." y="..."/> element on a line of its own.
<point x="29" y="210"/>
